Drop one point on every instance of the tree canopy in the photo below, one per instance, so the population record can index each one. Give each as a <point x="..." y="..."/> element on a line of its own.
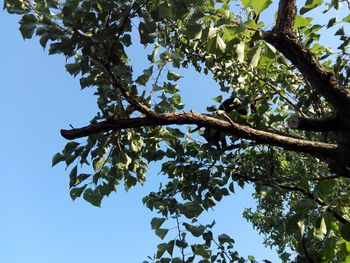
<point x="290" y="136"/>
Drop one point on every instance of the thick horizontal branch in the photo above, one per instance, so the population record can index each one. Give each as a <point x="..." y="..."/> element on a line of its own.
<point x="316" y="125"/>
<point x="317" y="149"/>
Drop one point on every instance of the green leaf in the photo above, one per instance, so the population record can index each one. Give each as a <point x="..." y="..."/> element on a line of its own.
<point x="143" y="79"/>
<point x="97" y="163"/>
<point x="194" y="31"/>
<point x="220" y="44"/>
<point x="173" y="76"/>
<point x="241" y="27"/>
<point x="86" y="82"/>
<point x="28" y="19"/>
<point x="223" y="238"/>
<point x="322" y="226"/>
<point x="325" y="188"/>
<point x="196" y="231"/>
<point x="130" y="181"/>
<point x="301" y="225"/>
<point x="260" y="5"/>
<point x="309" y="5"/>
<point x="251" y="258"/>
<point x="27" y="30"/>
<point x="302" y="21"/>
<point x="76" y="192"/>
<point x="255" y="59"/>
<point x="240" y="52"/>
<point x="28" y="25"/>
<point x="156" y="222"/>
<point x="213" y="31"/>
<point x="161" y="233"/>
<point x="82" y="177"/>
<point x="161" y="12"/>
<point x="43" y="40"/>
<point x="92" y="197"/>
<point x="191" y="209"/>
<point x="176" y="100"/>
<point x="347" y="19"/>
<point x="126" y="40"/>
<point x="69" y="159"/>
<point x="218" y="99"/>
<point x="181" y="243"/>
<point x="146" y="32"/>
<point x="40" y="31"/>
<point x="251" y="24"/>
<point x="107" y="188"/>
<point x="73" y="68"/>
<point x="16" y="7"/>
<point x="161" y="248"/>
<point x="201" y="251"/>
<point x="345" y="231"/>
<point x="245" y="3"/>
<point x="170" y="248"/>
<point x="124" y="159"/>
<point x="332" y="22"/>
<point x="156" y="155"/>
<point x="321" y="229"/>
<point x="136" y="145"/>
<point x="73" y="176"/>
<point x="257" y="5"/>
<point x="57" y="158"/>
<point x="70" y="147"/>
<point x="211" y="46"/>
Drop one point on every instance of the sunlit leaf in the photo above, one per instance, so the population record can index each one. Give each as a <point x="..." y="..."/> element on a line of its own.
<point x="257" y="6"/>
<point x="301" y="21"/>
<point x="240" y="51"/>
<point x="255" y="59"/>
<point x="309" y="5"/>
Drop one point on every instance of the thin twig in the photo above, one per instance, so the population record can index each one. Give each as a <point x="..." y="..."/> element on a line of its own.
<point x="303" y="191"/>
<point x="180" y="238"/>
<point x="297" y="109"/>
<point x="128" y="16"/>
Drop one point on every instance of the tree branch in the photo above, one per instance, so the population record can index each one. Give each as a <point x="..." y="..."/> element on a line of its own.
<point x="293" y="188"/>
<point x="317" y="200"/>
<point x="116" y="84"/>
<point x="285" y="98"/>
<point x="317" y="149"/>
<point x="283" y="38"/>
<point x="285" y="16"/>
<point x="316" y="125"/>
<point x="129" y="16"/>
<point x="136" y="104"/>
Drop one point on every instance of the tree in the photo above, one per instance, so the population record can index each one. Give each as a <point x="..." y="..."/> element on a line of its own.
<point x="291" y="141"/>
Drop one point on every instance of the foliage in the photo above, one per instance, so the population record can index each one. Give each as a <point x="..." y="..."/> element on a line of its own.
<point x="292" y="144"/>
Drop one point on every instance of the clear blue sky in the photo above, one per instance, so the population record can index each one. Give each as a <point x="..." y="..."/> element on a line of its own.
<point x="39" y="223"/>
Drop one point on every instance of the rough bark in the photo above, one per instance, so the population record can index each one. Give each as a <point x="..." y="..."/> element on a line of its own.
<point x="317" y="125"/>
<point x="317" y="149"/>
<point x="283" y="38"/>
